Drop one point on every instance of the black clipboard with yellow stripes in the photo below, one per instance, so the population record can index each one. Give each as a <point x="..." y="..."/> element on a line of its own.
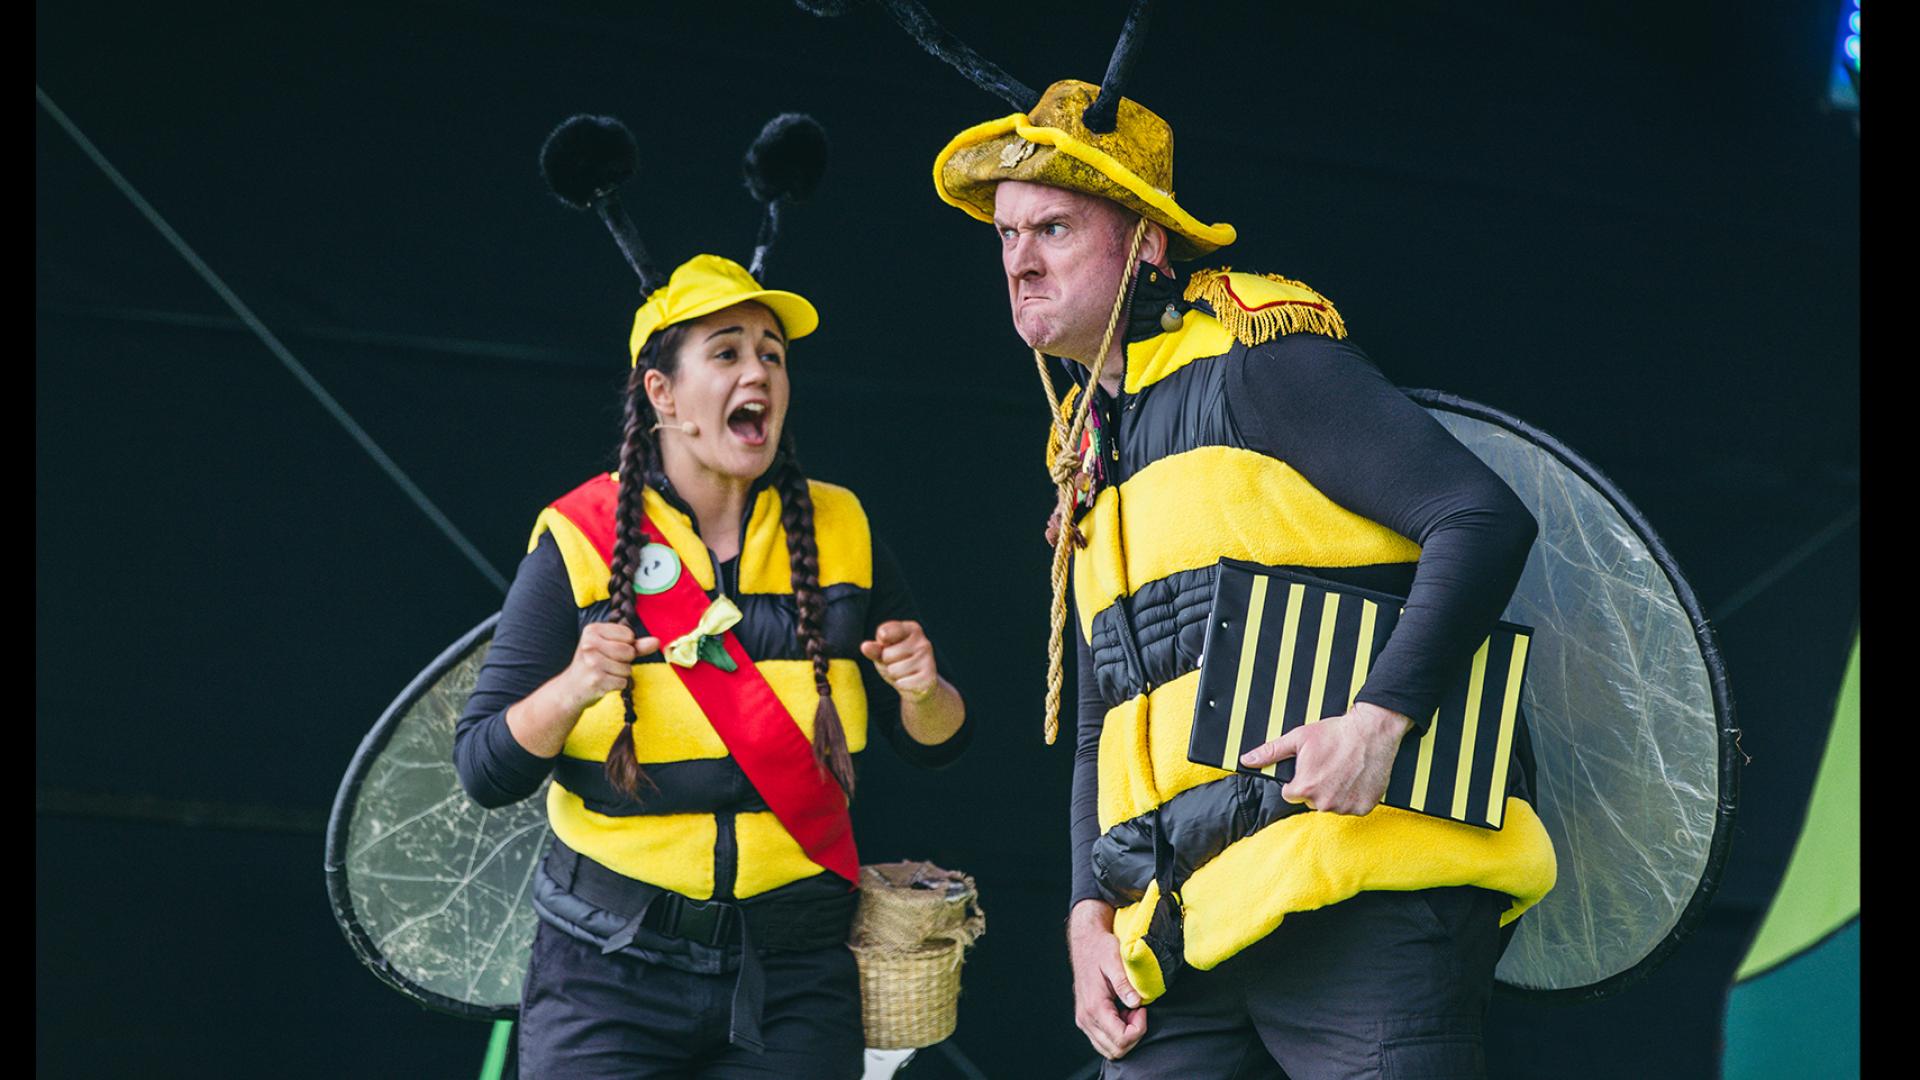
<point x="1285" y="649"/>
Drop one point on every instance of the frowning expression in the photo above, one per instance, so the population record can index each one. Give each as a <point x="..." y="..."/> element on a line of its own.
<point x="1063" y="253"/>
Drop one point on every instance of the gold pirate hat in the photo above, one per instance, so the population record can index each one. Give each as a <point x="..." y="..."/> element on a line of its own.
<point x="1131" y="164"/>
<point x="1075" y="136"/>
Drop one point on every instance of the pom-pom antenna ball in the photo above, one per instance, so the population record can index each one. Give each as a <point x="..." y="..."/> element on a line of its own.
<point x="787" y="160"/>
<point x="587" y="158"/>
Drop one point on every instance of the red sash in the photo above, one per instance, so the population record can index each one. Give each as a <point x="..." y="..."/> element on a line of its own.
<point x="749" y="717"/>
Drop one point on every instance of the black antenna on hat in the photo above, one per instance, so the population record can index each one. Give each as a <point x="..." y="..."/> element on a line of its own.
<point x="915" y="20"/>
<point x="1104" y="113"/>
<point x="585" y="161"/>
<point x="783" y="165"/>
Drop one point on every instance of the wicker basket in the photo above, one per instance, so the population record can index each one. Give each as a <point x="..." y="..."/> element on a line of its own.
<point x="910" y="937"/>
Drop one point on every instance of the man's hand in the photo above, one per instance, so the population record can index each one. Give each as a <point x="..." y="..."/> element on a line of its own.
<point x="1105" y="1005"/>
<point x="903" y="656"/>
<point x="1342" y="763"/>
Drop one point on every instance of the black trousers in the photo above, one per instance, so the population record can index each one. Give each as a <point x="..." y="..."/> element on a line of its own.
<point x="585" y="1016"/>
<point x="1388" y="985"/>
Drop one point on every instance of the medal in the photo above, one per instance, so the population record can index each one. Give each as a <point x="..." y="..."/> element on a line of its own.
<point x="658" y="569"/>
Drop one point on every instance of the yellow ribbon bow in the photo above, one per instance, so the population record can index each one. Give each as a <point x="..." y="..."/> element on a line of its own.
<point x="686" y="649"/>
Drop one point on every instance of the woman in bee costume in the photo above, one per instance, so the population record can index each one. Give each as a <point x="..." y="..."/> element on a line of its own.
<point x="681" y="653"/>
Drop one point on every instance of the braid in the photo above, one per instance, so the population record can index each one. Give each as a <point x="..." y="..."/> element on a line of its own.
<point x="830" y="751"/>
<point x="638" y="462"/>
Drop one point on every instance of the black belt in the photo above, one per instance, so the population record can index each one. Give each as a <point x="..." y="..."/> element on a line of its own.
<point x="815" y="923"/>
<point x="810" y="924"/>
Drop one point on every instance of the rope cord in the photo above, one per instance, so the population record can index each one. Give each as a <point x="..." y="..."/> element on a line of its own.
<point x="1066" y="468"/>
<point x="305" y="378"/>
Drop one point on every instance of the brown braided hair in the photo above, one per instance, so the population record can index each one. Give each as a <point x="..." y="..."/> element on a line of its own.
<point x="639" y="461"/>
<point x="830" y="751"/>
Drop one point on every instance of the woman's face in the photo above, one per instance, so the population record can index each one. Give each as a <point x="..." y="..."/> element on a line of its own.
<point x="730" y="381"/>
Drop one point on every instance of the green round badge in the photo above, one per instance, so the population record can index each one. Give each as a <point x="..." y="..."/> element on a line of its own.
<point x="659" y="568"/>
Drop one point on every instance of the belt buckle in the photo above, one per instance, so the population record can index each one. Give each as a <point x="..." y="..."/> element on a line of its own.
<point x="705" y="921"/>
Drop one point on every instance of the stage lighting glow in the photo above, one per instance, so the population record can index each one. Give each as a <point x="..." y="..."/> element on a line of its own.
<point x="1843" y="89"/>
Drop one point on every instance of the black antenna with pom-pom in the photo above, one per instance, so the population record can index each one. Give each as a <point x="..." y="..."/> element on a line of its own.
<point x="585" y="161"/>
<point x="783" y="165"/>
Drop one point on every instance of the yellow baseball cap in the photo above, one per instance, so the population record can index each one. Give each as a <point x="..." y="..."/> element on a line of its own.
<point x="705" y="284"/>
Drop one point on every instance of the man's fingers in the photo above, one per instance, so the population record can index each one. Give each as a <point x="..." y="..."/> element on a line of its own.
<point x="1117" y="982"/>
<point x="1104" y="1028"/>
<point x="1279" y="749"/>
<point x="1135" y="1026"/>
<point x="1295" y="792"/>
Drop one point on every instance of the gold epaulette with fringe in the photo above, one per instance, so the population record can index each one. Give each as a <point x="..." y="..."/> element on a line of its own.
<point x="1257" y="308"/>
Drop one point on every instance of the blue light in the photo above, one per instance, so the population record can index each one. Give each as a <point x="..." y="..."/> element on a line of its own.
<point x="1853" y="22"/>
<point x="1853" y="49"/>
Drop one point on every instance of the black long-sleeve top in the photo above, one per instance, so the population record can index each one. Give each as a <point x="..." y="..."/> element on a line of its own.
<point x="1321" y="406"/>
<point x="539" y="629"/>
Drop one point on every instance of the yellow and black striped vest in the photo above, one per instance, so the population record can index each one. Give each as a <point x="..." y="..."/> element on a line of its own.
<point x="1182" y="492"/>
<point x="705" y="832"/>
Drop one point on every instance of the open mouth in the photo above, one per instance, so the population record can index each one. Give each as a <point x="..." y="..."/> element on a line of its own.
<point x="749" y="423"/>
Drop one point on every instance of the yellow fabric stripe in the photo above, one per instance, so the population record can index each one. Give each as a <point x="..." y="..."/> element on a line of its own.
<point x="1188" y="510"/>
<point x="769" y="855"/>
<point x="1200" y="336"/>
<point x="1423" y="770"/>
<point x="1362" y="649"/>
<point x="586" y="571"/>
<point x="1283" y="672"/>
<point x="1237" y="716"/>
<point x="673" y="851"/>
<point x="1142" y="764"/>
<point x="1307" y="861"/>
<point x="669" y="726"/>
<point x="1143" y="968"/>
<point x="1509" y="719"/>
<point x="840" y="531"/>
<point x="679" y="534"/>
<point x="1463" y="770"/>
<point x="1317" y="689"/>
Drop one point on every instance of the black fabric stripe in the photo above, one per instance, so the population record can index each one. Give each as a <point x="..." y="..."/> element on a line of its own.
<point x="1487" y="740"/>
<point x="1179" y="413"/>
<point x="1213" y="699"/>
<point x="703" y="786"/>
<point x="1266" y="651"/>
<point x="1346" y="644"/>
<point x="1200" y="821"/>
<point x="726" y="856"/>
<point x="1446" y="751"/>
<point x="766" y="624"/>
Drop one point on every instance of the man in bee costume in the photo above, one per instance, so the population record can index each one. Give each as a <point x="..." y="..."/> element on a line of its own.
<point x="1309" y="932"/>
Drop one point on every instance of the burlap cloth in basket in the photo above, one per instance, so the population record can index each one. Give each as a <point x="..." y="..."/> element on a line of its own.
<point x="910" y="936"/>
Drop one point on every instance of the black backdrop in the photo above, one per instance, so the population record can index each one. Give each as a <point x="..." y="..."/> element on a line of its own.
<point x="1633" y="224"/>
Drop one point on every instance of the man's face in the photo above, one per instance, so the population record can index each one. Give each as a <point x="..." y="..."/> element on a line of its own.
<point x="1063" y="252"/>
